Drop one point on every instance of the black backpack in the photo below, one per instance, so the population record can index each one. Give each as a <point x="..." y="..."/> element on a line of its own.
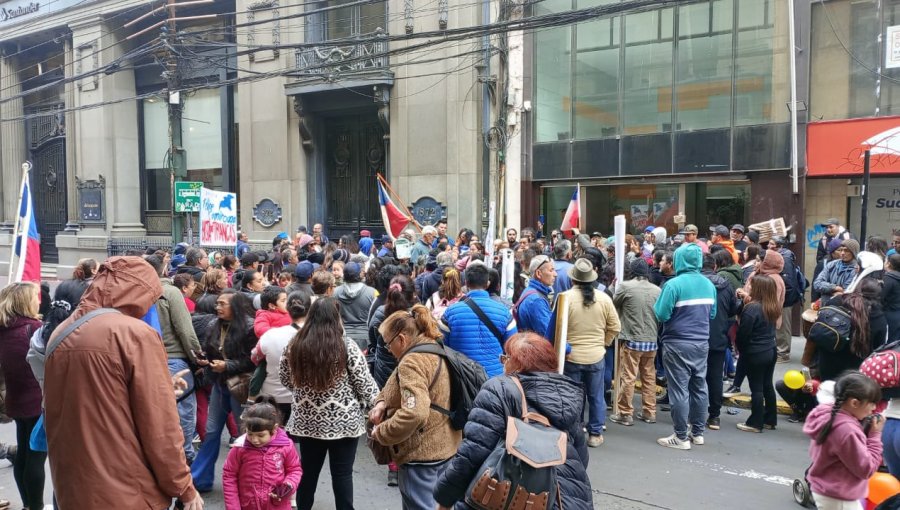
<point x="831" y="331"/>
<point x="795" y="283"/>
<point x="466" y="378"/>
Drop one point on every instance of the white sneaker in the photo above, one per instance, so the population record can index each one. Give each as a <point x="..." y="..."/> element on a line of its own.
<point x="673" y="442"/>
<point x="697" y="440"/>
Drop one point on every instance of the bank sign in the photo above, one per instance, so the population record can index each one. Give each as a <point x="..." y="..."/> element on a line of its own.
<point x="836" y="148"/>
<point x="17" y="11"/>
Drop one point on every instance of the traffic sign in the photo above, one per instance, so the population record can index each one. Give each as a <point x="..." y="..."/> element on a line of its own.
<point x="187" y="196"/>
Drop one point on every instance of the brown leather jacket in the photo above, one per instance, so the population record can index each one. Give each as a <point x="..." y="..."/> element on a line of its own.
<point x="112" y="426"/>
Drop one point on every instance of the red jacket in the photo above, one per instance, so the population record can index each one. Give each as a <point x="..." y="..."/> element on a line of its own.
<point x="251" y="473"/>
<point x="268" y="319"/>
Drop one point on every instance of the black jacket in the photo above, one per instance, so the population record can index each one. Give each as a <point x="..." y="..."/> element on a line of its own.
<point x="833" y="364"/>
<point x="727" y="307"/>
<point x="754" y="333"/>
<point x="239" y="341"/>
<point x="890" y="299"/>
<point x="195" y="272"/>
<point x="384" y="361"/>
<point x="555" y="396"/>
<point x="431" y="284"/>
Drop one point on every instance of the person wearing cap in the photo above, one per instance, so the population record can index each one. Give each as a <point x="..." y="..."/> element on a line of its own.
<point x="532" y="310"/>
<point x="387" y="246"/>
<point x="793" y="294"/>
<point x="837" y="275"/>
<point x="593" y="324"/>
<point x="833" y="230"/>
<point x="422" y="247"/>
<point x="302" y="273"/>
<point x="737" y="237"/>
<point x="242" y="246"/>
<point x="356" y="298"/>
<point x="690" y="233"/>
<point x="722" y="236"/>
<point x="634" y="299"/>
<point x="685" y="309"/>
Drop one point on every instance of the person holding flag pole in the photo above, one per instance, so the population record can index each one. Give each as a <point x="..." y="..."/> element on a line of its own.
<point x="25" y="256"/>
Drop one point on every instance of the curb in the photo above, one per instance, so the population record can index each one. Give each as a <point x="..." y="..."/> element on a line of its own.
<point x="743" y="401"/>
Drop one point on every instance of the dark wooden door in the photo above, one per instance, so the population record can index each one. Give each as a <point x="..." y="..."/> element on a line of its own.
<point x="354" y="155"/>
<point x="47" y="143"/>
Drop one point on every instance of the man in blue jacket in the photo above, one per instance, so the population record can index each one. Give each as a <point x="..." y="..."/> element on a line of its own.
<point x="684" y="309"/>
<point x="533" y="308"/>
<point x="467" y="333"/>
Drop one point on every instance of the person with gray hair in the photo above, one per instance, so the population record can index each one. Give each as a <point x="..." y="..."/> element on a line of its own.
<point x="562" y="255"/>
<point x="422" y="247"/>
<point x="532" y="310"/>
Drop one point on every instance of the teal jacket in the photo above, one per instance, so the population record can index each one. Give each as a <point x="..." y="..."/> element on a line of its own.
<point x="688" y="301"/>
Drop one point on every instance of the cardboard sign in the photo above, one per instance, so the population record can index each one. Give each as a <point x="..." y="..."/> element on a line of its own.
<point x="403" y="248"/>
<point x="218" y="218"/>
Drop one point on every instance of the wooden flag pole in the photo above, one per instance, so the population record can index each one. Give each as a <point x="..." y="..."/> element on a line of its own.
<point x="26" y="167"/>
<point x="391" y="191"/>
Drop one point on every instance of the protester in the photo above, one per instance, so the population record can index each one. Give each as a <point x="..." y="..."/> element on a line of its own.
<point x="562" y="262"/>
<point x="890" y="297"/>
<point x="833" y="230"/>
<point x="82" y="276"/>
<point x="421" y="440"/>
<point x="332" y="390"/>
<point x="868" y="330"/>
<point x="802" y="400"/>
<point x="663" y="269"/>
<point x="726" y="308"/>
<point x="226" y="348"/>
<point x="685" y="308"/>
<point x="273" y="312"/>
<point x="793" y="294"/>
<point x="722" y="236"/>
<point x="422" y="247"/>
<point x="480" y="339"/>
<point x="737" y="237"/>
<point x="262" y="469"/>
<point x="869" y="265"/>
<point x="750" y="262"/>
<point x="533" y="361"/>
<point x="355" y="298"/>
<point x="19" y="319"/>
<point x="690" y="233"/>
<point x="322" y="283"/>
<point x="120" y="354"/>
<point x="634" y="300"/>
<point x="533" y="307"/>
<point x="844" y="452"/>
<point x="728" y="270"/>
<point x="838" y="274"/>
<point x="449" y="293"/>
<point x="186" y="285"/>
<point x="756" y="343"/>
<point x="214" y="282"/>
<point x="300" y="279"/>
<point x="592" y="326"/>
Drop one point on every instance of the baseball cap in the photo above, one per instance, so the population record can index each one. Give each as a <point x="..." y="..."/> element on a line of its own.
<point x="738" y="227"/>
<point x="830" y="221"/>
<point x="365" y="233"/>
<point x="304" y="270"/>
<point x="690" y="228"/>
<point x="386" y="239"/>
<point x="352" y="268"/>
<point x="720" y="230"/>
<point x="596" y="234"/>
<point x="649" y="228"/>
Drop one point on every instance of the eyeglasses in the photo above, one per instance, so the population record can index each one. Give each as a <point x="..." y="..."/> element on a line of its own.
<point x="388" y="344"/>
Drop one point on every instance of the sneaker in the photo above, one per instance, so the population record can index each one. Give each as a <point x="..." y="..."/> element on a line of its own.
<point x="795" y="418"/>
<point x="769" y="427"/>
<point x="731" y="391"/>
<point x="594" y="441"/>
<point x="393" y="479"/>
<point x="673" y="442"/>
<point x="786" y="358"/>
<point x="713" y="423"/>
<point x="622" y="419"/>
<point x="697" y="440"/>
<point x="748" y="428"/>
<point x="647" y="418"/>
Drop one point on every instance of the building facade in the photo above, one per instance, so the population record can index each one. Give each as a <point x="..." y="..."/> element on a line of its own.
<point x="296" y="106"/>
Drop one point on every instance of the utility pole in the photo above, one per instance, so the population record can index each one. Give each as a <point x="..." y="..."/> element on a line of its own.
<point x="172" y="74"/>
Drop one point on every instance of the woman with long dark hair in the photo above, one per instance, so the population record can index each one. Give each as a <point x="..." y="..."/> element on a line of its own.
<point x="332" y="392"/>
<point x="756" y="343"/>
<point x="890" y="296"/>
<point x="868" y="329"/>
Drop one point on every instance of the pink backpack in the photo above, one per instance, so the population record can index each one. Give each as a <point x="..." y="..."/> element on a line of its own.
<point x="883" y="366"/>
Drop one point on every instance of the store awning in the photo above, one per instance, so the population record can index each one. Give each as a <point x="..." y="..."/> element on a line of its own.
<point x="836" y="148"/>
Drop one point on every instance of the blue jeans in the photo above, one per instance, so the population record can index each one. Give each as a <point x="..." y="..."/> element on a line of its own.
<point x="591" y="379"/>
<point x="203" y="470"/>
<point x="417" y="482"/>
<point x="686" y="364"/>
<point x="890" y="438"/>
<point x="187" y="408"/>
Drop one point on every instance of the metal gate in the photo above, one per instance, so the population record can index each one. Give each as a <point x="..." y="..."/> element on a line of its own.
<point x="354" y="155"/>
<point x="47" y="145"/>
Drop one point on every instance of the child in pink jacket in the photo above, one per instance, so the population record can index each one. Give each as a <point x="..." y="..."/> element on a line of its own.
<point x="845" y="453"/>
<point x="263" y="469"/>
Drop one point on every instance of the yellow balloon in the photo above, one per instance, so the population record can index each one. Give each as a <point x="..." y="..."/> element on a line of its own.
<point x="794" y="380"/>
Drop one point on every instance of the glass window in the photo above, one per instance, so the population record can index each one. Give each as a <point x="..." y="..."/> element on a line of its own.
<point x="703" y="94"/>
<point x="762" y="63"/>
<point x="647" y="83"/>
<point x="890" y="85"/>
<point x="597" y="79"/>
<point x="553" y="85"/>
<point x="156" y="133"/>
<point x="201" y="130"/>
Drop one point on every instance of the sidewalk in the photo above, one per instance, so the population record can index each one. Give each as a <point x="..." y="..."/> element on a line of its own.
<point x="743" y="400"/>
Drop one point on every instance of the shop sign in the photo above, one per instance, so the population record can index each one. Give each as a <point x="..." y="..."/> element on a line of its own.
<point x="91" y="198"/>
<point x="187" y="196"/>
<point x="17" y="11"/>
<point x="8" y="13"/>
<point x="892" y="51"/>
<point x="836" y="148"/>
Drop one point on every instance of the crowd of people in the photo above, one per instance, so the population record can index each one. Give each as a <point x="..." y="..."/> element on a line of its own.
<point x="300" y="350"/>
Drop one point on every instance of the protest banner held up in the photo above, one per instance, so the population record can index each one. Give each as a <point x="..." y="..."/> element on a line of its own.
<point x="218" y="218"/>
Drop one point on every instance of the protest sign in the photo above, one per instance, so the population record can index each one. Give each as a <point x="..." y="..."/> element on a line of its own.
<point x="218" y="218"/>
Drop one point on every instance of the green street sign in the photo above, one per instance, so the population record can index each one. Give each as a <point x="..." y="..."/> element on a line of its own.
<point x="187" y="196"/>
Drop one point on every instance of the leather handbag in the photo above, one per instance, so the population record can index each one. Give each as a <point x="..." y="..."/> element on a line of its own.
<point x="520" y="473"/>
<point x="381" y="452"/>
<point x="239" y="386"/>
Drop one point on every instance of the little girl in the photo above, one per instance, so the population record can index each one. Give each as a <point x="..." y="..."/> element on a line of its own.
<point x="263" y="468"/>
<point x="846" y="443"/>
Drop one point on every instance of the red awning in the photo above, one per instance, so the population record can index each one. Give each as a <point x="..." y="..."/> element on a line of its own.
<point x="835" y="148"/>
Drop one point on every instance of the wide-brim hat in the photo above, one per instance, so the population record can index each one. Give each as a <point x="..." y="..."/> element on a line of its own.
<point x="583" y="271"/>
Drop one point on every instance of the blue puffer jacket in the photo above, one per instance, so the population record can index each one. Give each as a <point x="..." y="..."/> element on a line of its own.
<point x="553" y="395"/>
<point x="465" y="332"/>
<point x="687" y="303"/>
<point x="534" y="311"/>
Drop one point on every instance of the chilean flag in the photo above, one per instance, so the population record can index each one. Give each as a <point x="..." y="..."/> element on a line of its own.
<point x="394" y="219"/>
<point x="572" y="219"/>
<point x="27" y="246"/>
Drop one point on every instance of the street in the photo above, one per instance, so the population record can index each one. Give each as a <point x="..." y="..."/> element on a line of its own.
<point x="628" y="472"/>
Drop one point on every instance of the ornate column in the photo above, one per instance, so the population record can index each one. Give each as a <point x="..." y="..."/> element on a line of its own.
<point x="12" y="132"/>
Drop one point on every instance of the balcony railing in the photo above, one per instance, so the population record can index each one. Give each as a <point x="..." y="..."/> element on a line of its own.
<point x="332" y="60"/>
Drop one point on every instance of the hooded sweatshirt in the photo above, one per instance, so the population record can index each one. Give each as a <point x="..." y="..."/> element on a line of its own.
<point x="251" y="472"/>
<point x="688" y="301"/>
<point x="841" y="466"/>
<point x="127" y="452"/>
<point x="771" y="266"/>
<point x="356" y="299"/>
<point x="729" y="245"/>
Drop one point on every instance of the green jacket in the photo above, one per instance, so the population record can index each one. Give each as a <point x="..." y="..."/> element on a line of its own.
<point x="634" y="300"/>
<point x="733" y="275"/>
<point x="175" y="319"/>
